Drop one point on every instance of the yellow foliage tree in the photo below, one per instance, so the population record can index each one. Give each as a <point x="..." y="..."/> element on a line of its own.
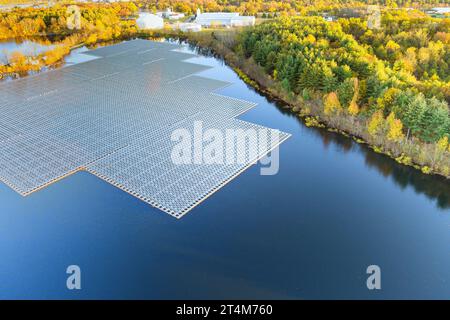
<point x="375" y="123"/>
<point x="353" y="108"/>
<point x="442" y="145"/>
<point x="388" y="98"/>
<point x="310" y="39"/>
<point x="331" y="104"/>
<point x="17" y="59"/>
<point x="392" y="46"/>
<point x="395" y="128"/>
<point x="390" y="119"/>
<point x="91" y="39"/>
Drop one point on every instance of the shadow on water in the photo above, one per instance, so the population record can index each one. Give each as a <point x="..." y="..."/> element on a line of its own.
<point x="434" y="187"/>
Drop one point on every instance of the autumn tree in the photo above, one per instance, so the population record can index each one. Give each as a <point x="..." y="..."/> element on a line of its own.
<point x="353" y="108"/>
<point x="395" y="128"/>
<point x="376" y="123"/>
<point x="332" y="104"/>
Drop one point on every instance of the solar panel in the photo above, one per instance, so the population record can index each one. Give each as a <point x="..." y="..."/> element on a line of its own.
<point x="114" y="117"/>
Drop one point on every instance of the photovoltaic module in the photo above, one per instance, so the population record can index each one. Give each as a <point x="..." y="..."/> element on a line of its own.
<point x="113" y="117"/>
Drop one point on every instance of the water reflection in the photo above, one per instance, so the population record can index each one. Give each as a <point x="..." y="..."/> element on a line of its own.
<point x="434" y="187"/>
<point x="29" y="48"/>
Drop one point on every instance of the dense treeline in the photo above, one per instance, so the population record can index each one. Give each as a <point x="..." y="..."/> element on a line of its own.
<point x="390" y="84"/>
<point x="290" y="6"/>
<point x="409" y="42"/>
<point x="103" y="19"/>
<point x="233" y="4"/>
<point x="249" y="7"/>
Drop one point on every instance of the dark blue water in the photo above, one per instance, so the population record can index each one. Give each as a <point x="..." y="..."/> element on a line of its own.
<point x="308" y="232"/>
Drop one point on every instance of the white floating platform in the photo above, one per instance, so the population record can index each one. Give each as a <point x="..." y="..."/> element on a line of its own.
<point x="113" y="116"/>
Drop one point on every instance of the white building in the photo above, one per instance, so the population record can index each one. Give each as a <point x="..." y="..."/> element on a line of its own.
<point x="149" y="21"/>
<point x="224" y="19"/>
<point x="105" y="1"/>
<point x="190" y="27"/>
<point x="169" y="14"/>
<point x="441" y="10"/>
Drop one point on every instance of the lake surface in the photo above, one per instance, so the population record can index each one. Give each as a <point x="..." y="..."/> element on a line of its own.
<point x="27" y="48"/>
<point x="334" y="208"/>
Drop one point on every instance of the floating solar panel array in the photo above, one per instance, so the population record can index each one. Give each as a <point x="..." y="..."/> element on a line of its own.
<point x="113" y="117"/>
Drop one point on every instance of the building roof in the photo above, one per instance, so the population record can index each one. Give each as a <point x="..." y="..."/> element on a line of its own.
<point x="212" y="15"/>
<point x="225" y="17"/>
<point x="441" y="9"/>
<point x="147" y="20"/>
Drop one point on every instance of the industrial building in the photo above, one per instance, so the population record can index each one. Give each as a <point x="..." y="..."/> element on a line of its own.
<point x="169" y="14"/>
<point x="441" y="10"/>
<point x="149" y="21"/>
<point x="438" y="12"/>
<point x="223" y="19"/>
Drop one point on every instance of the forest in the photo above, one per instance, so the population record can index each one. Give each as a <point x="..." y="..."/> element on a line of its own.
<point x="389" y="85"/>
<point x="106" y="20"/>
<point x="274" y="8"/>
